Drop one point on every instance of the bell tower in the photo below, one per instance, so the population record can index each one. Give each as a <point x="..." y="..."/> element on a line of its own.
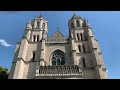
<point x="40" y="27"/>
<point x="77" y="35"/>
<point x="85" y="50"/>
<point x="39" y="34"/>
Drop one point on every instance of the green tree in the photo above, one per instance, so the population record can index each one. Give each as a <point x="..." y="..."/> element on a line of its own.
<point x="3" y="73"/>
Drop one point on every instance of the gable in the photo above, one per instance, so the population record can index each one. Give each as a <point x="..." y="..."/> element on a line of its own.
<point x="57" y="35"/>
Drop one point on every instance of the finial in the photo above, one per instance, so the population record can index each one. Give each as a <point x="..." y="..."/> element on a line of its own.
<point x="29" y="26"/>
<point x="74" y="12"/>
<point x="58" y="28"/>
<point x="29" y="22"/>
<point x="35" y="17"/>
<point x="84" y="19"/>
<point x="40" y="14"/>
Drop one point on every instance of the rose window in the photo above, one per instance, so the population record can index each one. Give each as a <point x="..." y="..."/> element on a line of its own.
<point x="58" y="58"/>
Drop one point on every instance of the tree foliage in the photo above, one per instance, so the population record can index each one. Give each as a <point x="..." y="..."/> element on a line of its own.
<point x="3" y="73"/>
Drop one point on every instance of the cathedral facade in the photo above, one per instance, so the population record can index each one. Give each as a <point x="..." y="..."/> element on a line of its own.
<point x="77" y="56"/>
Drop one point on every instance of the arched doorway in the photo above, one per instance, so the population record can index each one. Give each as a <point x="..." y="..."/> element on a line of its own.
<point x="58" y="57"/>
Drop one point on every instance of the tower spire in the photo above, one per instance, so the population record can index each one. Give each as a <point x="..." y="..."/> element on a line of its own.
<point x="40" y="15"/>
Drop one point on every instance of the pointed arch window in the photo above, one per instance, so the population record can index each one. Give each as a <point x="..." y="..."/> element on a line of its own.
<point x="34" y="38"/>
<point x="58" y="57"/>
<point x="34" y="56"/>
<point x="38" y="24"/>
<point x="62" y="62"/>
<point x="58" y="62"/>
<point x="84" y="49"/>
<point x="43" y="26"/>
<point x="81" y="36"/>
<point x="77" y="23"/>
<point x="84" y="64"/>
<point x="72" y="25"/>
<point x="85" y="36"/>
<point x="37" y="38"/>
<point x="78" y="37"/>
<point x="53" y="62"/>
<point x="79" y="48"/>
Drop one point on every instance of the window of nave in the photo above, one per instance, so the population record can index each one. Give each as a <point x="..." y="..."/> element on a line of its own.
<point x="58" y="57"/>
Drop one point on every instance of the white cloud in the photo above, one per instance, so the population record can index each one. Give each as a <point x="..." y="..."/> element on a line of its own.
<point x="4" y="43"/>
<point x="107" y="71"/>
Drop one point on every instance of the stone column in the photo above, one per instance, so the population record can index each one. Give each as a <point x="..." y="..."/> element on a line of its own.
<point x="42" y="56"/>
<point x="28" y="34"/>
<point x="40" y="35"/>
<point x="42" y="49"/>
<point x="80" y="22"/>
<point x="35" y="24"/>
<point x="74" y="23"/>
<point x="90" y="33"/>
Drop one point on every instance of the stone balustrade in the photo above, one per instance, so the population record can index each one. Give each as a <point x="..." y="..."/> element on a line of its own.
<point x="59" y="71"/>
<point x="56" y="40"/>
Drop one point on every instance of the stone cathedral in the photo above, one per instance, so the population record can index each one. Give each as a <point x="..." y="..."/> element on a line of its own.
<point x="77" y="56"/>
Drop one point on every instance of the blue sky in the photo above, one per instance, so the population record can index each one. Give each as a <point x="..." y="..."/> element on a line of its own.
<point x="105" y="25"/>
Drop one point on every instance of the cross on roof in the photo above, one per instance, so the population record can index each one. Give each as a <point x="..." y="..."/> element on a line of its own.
<point x="58" y="28"/>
